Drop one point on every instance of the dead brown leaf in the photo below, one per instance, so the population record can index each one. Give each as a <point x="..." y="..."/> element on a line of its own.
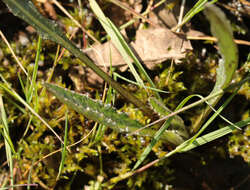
<point x="156" y="45"/>
<point x="152" y="46"/>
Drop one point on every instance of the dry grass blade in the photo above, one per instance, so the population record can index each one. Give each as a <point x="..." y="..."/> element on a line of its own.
<point x="13" y="53"/>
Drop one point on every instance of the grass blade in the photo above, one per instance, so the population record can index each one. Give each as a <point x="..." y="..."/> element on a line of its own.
<point x="49" y="30"/>
<point x="9" y="148"/>
<point x="20" y="99"/>
<point x="34" y="75"/>
<point x="64" y="151"/>
<point x="186" y="146"/>
<point x="199" y="6"/>
<point x="215" y="135"/>
<point x="121" y="45"/>
<point x="160" y="132"/>
<point x="215" y="115"/>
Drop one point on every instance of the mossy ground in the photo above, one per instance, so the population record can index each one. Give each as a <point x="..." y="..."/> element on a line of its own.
<point x="221" y="164"/>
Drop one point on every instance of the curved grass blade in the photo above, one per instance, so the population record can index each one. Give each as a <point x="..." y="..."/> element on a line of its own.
<point x="188" y="142"/>
<point x="221" y="29"/>
<point x="215" y="135"/>
<point x="64" y="151"/>
<point x="9" y="147"/>
<point x="10" y="91"/>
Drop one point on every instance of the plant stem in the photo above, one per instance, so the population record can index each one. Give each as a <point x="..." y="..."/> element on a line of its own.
<point x="126" y="94"/>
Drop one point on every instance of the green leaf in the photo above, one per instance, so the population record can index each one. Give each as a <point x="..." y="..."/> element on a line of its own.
<point x="105" y="114"/>
<point x="172" y="135"/>
<point x="221" y="29"/>
<point x="94" y="110"/>
<point x="50" y="30"/>
<point x="26" y="10"/>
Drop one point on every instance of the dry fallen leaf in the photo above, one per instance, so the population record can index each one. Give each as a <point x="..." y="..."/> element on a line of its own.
<point x="159" y="44"/>
<point x="152" y="46"/>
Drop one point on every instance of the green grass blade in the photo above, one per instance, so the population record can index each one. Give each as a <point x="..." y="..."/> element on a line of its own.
<point x="215" y="115"/>
<point x="199" y="6"/>
<point x="9" y="148"/>
<point x="121" y="45"/>
<point x="116" y="38"/>
<point x="155" y="139"/>
<point x="186" y="146"/>
<point x="173" y="138"/>
<point x="135" y="83"/>
<point x="49" y="30"/>
<point x="20" y="99"/>
<point x="4" y="127"/>
<point x="26" y="10"/>
<point x="215" y="135"/>
<point x="34" y="75"/>
<point x="177" y="124"/>
<point x="64" y="150"/>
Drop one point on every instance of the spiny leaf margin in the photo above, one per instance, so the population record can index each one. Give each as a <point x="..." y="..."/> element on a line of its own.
<point x="94" y="110"/>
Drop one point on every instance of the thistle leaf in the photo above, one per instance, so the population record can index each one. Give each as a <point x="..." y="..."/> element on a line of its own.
<point x="94" y="110"/>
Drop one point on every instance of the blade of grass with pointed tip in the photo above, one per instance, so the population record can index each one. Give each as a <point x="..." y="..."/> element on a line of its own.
<point x="135" y="83"/>
<point x="221" y="29"/>
<point x="166" y="125"/>
<point x="32" y="85"/>
<point x="4" y="126"/>
<point x="199" y="6"/>
<point x="10" y="91"/>
<point x="49" y="30"/>
<point x="9" y="148"/>
<point x="215" y="115"/>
